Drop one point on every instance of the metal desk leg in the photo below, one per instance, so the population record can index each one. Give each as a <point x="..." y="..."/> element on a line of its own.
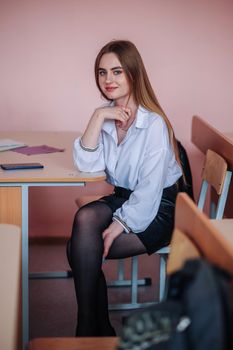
<point x="25" y="313"/>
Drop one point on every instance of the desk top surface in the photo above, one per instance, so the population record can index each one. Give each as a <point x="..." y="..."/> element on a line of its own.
<point x="205" y="137"/>
<point x="58" y="167"/>
<point x="78" y="343"/>
<point x="229" y="135"/>
<point x="225" y="226"/>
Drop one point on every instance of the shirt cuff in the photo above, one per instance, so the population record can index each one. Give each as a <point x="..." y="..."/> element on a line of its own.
<point x="122" y="223"/>
<point x="88" y="149"/>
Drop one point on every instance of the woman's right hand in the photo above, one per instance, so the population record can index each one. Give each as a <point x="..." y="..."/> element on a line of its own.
<point x="120" y="114"/>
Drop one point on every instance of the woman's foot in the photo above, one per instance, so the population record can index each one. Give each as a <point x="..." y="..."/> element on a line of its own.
<point x="107" y="331"/>
<point x="94" y="332"/>
<point x="86" y="332"/>
<point x="86" y="327"/>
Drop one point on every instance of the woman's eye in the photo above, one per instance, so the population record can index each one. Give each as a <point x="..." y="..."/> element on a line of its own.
<point x="117" y="72"/>
<point x="101" y="73"/>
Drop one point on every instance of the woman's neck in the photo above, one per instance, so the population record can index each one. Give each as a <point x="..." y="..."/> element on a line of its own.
<point x="133" y="111"/>
<point x="129" y="103"/>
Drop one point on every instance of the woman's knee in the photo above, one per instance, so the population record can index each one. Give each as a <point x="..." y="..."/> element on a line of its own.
<point x="96" y="215"/>
<point x="84" y="215"/>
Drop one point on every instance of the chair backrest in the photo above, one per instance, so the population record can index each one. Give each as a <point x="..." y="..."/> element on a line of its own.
<point x="10" y="287"/>
<point x="186" y="182"/>
<point x="204" y="238"/>
<point x="205" y="137"/>
<point x="215" y="175"/>
<point x="182" y="249"/>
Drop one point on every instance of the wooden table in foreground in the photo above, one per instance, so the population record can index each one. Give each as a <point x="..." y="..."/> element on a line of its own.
<point x="225" y="226"/>
<point x="92" y="343"/>
<point x="58" y="170"/>
<point x="205" y="136"/>
<point x="229" y="135"/>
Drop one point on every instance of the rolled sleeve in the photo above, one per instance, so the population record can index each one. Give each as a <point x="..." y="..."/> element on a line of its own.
<point x="86" y="160"/>
<point x="123" y="224"/>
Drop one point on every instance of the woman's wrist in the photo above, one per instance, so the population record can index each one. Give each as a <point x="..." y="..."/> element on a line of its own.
<point x="122" y="223"/>
<point x="89" y="140"/>
<point x="98" y="116"/>
<point x="88" y="149"/>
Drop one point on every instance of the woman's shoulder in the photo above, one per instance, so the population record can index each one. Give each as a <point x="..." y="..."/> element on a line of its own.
<point x="155" y="128"/>
<point x="149" y="118"/>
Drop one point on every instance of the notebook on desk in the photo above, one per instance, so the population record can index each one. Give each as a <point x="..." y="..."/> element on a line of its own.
<point x="7" y="144"/>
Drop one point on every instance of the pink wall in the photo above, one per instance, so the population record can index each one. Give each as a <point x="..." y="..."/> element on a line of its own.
<point x="46" y="67"/>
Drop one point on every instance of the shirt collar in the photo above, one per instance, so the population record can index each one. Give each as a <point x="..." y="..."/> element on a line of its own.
<point x="142" y="118"/>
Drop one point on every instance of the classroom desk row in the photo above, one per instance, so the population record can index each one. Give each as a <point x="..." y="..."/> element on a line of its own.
<point x="15" y="185"/>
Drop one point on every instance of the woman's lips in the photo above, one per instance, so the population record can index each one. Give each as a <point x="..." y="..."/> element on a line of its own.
<point x="110" y="89"/>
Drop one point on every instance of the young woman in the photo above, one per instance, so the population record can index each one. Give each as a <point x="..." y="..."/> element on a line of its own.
<point x="133" y="141"/>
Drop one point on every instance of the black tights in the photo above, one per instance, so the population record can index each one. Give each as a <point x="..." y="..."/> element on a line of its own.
<point x="85" y="252"/>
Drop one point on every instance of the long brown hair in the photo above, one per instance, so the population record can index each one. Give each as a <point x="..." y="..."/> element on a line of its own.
<point x="139" y="82"/>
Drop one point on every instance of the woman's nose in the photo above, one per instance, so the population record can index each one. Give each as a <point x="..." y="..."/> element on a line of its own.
<point x="109" y="78"/>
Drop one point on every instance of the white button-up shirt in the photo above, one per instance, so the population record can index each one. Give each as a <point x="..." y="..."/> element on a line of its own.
<point x="143" y="162"/>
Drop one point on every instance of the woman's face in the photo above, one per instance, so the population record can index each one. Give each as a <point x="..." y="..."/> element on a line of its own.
<point x="113" y="81"/>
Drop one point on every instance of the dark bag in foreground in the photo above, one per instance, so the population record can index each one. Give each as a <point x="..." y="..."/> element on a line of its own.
<point x="197" y="314"/>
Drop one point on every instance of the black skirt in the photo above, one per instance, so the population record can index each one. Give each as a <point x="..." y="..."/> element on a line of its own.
<point x="158" y="234"/>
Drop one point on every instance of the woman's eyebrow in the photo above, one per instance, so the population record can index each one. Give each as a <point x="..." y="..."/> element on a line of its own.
<point x="118" y="67"/>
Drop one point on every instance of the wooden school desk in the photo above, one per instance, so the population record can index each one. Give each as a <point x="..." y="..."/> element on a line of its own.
<point x="204" y="137"/>
<point x="58" y="170"/>
<point x="225" y="227"/>
<point x="229" y="135"/>
<point x="207" y="235"/>
<point x="80" y="343"/>
<point x="10" y="291"/>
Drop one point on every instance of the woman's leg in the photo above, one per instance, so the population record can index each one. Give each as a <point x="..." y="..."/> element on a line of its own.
<point x="125" y="246"/>
<point x="104" y="325"/>
<point x="85" y="257"/>
<point x="86" y="249"/>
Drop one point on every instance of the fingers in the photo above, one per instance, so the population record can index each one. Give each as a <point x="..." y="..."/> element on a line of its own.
<point x="127" y="111"/>
<point x="119" y="113"/>
<point x="108" y="239"/>
<point x="122" y="113"/>
<point x="122" y="116"/>
<point x="104" y="234"/>
<point x="114" y="230"/>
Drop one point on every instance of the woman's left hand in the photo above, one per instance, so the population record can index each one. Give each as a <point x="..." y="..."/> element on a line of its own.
<point x="113" y="231"/>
